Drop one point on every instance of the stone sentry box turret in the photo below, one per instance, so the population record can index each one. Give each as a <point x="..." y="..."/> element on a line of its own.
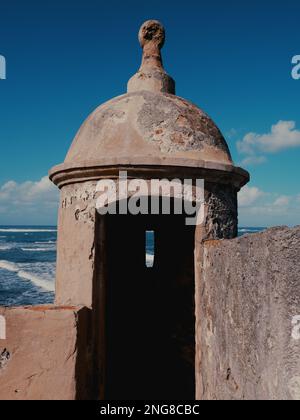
<point x="215" y="317"/>
<point x="150" y="133"/>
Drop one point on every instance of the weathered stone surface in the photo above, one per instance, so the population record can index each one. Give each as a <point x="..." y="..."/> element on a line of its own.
<point x="76" y="253"/>
<point x="152" y="76"/>
<point x="148" y="123"/>
<point x="222" y="211"/>
<point x="42" y="356"/>
<point x="248" y="342"/>
<point x="147" y="127"/>
<point x="75" y="245"/>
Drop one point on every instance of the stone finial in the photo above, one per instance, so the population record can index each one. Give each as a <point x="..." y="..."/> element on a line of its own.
<point x="152" y="31"/>
<point x="152" y="39"/>
<point x="151" y="75"/>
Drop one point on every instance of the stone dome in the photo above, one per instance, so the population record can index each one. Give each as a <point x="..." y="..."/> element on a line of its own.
<point x="147" y="127"/>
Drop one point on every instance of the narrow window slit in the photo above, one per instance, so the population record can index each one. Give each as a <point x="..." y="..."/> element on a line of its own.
<point x="150" y="248"/>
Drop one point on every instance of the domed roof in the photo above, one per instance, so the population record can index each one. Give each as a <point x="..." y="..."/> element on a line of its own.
<point x="148" y="126"/>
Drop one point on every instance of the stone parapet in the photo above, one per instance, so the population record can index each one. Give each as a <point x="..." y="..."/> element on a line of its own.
<point x="248" y="340"/>
<point x="45" y="353"/>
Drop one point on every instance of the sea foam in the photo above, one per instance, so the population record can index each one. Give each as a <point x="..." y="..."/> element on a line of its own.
<point x="37" y="249"/>
<point x="27" y="230"/>
<point x="5" y="247"/>
<point x="39" y="282"/>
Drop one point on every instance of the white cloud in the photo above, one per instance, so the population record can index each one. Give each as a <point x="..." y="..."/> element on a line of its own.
<point x="28" y="202"/>
<point x="282" y="201"/>
<point x="259" y="208"/>
<point x="253" y="160"/>
<point x="249" y="195"/>
<point x="282" y="136"/>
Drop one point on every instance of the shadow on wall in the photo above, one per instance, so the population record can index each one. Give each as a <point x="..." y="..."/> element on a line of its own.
<point x="149" y="312"/>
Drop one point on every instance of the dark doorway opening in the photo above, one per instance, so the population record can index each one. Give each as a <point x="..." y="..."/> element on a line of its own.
<point x="149" y="311"/>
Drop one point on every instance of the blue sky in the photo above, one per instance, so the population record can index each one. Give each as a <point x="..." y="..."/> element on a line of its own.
<point x="231" y="58"/>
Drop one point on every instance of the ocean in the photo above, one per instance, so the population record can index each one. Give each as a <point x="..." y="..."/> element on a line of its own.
<point x="27" y="263"/>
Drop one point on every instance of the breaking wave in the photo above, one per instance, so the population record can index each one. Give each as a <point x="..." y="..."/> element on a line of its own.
<point x="45" y="242"/>
<point x="5" y="247"/>
<point x="37" y="249"/>
<point x="27" y="230"/>
<point x="149" y="260"/>
<point x="44" y="284"/>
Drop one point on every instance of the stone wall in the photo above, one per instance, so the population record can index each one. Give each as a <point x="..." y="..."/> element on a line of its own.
<point x="76" y="245"/>
<point x="248" y="325"/>
<point x="45" y="353"/>
<point x="221" y="211"/>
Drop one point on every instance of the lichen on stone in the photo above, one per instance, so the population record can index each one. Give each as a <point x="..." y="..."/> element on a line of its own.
<point x="4" y="358"/>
